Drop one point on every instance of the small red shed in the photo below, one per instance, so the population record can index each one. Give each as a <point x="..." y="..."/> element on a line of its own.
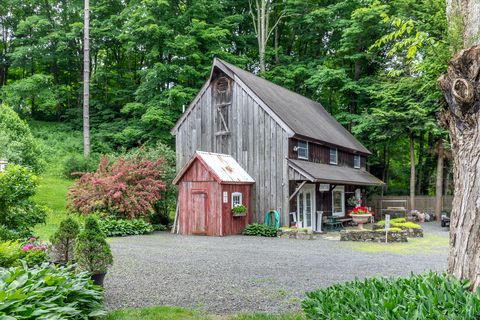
<point x="209" y="186"/>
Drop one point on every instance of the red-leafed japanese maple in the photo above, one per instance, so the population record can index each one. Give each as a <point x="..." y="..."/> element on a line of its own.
<point x="126" y="188"/>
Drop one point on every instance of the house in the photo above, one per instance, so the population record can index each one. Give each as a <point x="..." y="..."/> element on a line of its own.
<point x="209" y="186"/>
<point x="302" y="160"/>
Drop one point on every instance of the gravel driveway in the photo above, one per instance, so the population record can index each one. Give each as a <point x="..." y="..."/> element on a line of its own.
<point x="246" y="274"/>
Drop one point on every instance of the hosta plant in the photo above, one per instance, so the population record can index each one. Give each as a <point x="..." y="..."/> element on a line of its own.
<point x="263" y="230"/>
<point x="427" y="296"/>
<point x="122" y="227"/>
<point x="48" y="292"/>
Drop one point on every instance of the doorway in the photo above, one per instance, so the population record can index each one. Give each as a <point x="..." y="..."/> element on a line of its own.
<point x="338" y="201"/>
<point x="306" y="206"/>
<point x="199" y="207"/>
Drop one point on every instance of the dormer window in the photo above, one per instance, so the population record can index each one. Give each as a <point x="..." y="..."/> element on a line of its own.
<point x="333" y="156"/>
<point x="356" y="161"/>
<point x="302" y="150"/>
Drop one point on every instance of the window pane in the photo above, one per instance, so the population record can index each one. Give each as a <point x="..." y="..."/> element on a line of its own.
<point x="356" y="161"/>
<point x="302" y="149"/>
<point x="333" y="156"/>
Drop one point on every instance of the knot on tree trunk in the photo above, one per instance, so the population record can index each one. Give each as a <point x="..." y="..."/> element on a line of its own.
<point x="461" y="85"/>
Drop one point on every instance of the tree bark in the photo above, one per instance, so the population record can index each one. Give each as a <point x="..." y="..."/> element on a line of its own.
<point x="462" y="118"/>
<point x="464" y="18"/>
<point x="412" y="172"/>
<point x="439" y="181"/>
<point x="86" y="80"/>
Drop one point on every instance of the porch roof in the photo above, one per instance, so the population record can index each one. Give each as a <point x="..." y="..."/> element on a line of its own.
<point x="319" y="172"/>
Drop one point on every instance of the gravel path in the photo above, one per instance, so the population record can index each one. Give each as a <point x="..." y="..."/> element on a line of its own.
<point x="246" y="274"/>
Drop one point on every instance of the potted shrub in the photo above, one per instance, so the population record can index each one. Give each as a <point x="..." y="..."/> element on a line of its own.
<point x="360" y="216"/>
<point x="239" y="210"/>
<point x="92" y="252"/>
<point x="63" y="242"/>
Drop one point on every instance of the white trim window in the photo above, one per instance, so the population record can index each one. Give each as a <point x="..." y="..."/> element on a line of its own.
<point x="333" y="156"/>
<point x="356" y="161"/>
<point x="302" y="150"/>
<point x="236" y="199"/>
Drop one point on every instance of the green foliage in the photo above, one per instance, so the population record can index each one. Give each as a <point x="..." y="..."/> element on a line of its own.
<point x="17" y="145"/>
<point x="256" y="229"/>
<point x="76" y="164"/>
<point x="10" y="253"/>
<point x="63" y="241"/>
<point x="159" y="227"/>
<point x="400" y="223"/>
<point x="47" y="292"/>
<point x="92" y="252"/>
<point x="17" y="211"/>
<point x="120" y="227"/>
<point x="239" y="210"/>
<point x="426" y="296"/>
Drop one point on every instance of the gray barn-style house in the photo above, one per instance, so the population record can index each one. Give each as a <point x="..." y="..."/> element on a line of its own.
<point x="303" y="161"/>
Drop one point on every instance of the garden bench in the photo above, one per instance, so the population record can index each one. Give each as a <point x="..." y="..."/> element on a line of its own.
<point x="332" y="223"/>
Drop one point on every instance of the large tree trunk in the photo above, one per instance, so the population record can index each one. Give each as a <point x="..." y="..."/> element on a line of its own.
<point x="412" y="172"/>
<point x="86" y="80"/>
<point x="462" y="118"/>
<point x="439" y="181"/>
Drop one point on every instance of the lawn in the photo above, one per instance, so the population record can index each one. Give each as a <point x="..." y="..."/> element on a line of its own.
<point x="175" y="313"/>
<point x="58" y="142"/>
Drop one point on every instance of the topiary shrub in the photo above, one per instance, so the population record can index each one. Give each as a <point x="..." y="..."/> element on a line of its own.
<point x="48" y="292"/>
<point x="18" y="213"/>
<point x="120" y="227"/>
<point x="425" y="296"/>
<point x="127" y="188"/>
<point x="92" y="252"/>
<point x="263" y="230"/>
<point x="63" y="241"/>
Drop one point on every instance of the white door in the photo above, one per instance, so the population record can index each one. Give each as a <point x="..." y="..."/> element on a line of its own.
<point x="306" y="206"/>
<point x="338" y="201"/>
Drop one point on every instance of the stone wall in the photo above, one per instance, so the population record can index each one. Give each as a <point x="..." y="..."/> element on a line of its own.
<point x="302" y="234"/>
<point x="411" y="232"/>
<point x="373" y="236"/>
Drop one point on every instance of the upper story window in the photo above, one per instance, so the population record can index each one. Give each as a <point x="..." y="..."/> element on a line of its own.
<point x="333" y="156"/>
<point x="236" y="199"/>
<point x="356" y="161"/>
<point x="302" y="150"/>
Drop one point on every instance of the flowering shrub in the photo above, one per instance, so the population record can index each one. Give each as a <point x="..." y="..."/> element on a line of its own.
<point x="360" y="210"/>
<point x="126" y="188"/>
<point x="12" y="253"/>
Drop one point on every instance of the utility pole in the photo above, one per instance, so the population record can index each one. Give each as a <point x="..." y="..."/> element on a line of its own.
<point x="86" y="79"/>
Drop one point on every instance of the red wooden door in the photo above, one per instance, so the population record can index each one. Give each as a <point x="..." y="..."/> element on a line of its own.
<point x="200" y="210"/>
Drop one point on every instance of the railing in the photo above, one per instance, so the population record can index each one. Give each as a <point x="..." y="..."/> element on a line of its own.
<point x="422" y="203"/>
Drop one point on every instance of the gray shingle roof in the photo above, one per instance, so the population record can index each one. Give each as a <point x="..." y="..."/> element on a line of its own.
<point x="305" y="117"/>
<point x="319" y="172"/>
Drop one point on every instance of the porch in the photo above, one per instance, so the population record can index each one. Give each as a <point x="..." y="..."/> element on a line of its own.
<point x="319" y="192"/>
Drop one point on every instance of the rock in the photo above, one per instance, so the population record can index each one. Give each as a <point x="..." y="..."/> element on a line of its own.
<point x="373" y="235"/>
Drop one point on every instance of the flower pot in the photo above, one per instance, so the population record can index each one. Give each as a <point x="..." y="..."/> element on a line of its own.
<point x="243" y="214"/>
<point x="361" y="219"/>
<point x="98" y="278"/>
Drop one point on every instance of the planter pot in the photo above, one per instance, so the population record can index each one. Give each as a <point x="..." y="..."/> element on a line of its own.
<point x="240" y="214"/>
<point x="98" y="278"/>
<point x="361" y="219"/>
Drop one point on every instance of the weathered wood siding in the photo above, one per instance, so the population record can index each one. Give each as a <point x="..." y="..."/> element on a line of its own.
<point x="256" y="141"/>
<point x="320" y="153"/>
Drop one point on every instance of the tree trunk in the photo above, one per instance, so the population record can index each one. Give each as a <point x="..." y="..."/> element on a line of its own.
<point x="86" y="80"/>
<point x="412" y="172"/>
<point x="439" y="181"/>
<point x="462" y="118"/>
<point x="464" y="17"/>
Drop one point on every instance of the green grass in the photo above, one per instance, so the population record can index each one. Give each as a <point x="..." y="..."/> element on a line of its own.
<point x="59" y="141"/>
<point x="175" y="313"/>
<point x="428" y="244"/>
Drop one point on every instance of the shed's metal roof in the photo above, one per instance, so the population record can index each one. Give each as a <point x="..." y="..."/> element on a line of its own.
<point x="319" y="172"/>
<point x="305" y="117"/>
<point x="223" y="166"/>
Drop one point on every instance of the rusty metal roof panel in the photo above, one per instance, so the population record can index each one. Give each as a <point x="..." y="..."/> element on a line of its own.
<point x="225" y="167"/>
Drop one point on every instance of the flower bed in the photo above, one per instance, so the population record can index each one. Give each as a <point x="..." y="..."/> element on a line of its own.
<point x="394" y="235"/>
<point x="413" y="230"/>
